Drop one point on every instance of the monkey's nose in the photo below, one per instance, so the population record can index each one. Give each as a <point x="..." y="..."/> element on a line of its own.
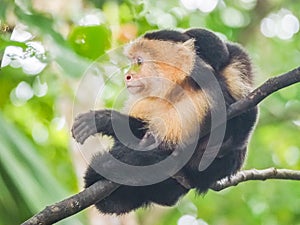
<point x="128" y="77"/>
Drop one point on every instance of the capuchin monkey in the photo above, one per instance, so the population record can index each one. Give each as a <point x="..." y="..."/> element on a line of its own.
<point x="169" y="110"/>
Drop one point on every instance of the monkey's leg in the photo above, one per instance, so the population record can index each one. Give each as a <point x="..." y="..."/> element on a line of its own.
<point x="230" y="156"/>
<point x="106" y="122"/>
<point x="126" y="197"/>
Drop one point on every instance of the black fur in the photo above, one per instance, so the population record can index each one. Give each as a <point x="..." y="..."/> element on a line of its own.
<point x="229" y="160"/>
<point x="209" y="47"/>
<point x="167" y="35"/>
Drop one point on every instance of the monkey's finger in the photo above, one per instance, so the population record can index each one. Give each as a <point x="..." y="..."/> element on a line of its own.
<point x="77" y="127"/>
<point x="89" y="116"/>
<point x="82" y="129"/>
<point x="87" y="122"/>
<point x="86" y="118"/>
<point x="83" y="134"/>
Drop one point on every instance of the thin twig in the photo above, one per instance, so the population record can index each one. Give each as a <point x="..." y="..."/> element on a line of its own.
<point x="253" y="174"/>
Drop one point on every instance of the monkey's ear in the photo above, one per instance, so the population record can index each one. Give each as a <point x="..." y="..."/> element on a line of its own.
<point x="189" y="44"/>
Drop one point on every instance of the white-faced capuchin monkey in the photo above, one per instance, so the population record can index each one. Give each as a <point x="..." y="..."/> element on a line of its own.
<point x="169" y="105"/>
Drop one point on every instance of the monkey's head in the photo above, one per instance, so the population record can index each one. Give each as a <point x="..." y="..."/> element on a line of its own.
<point x="158" y="65"/>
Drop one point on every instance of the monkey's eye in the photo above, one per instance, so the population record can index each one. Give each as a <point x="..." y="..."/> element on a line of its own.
<point x="139" y="60"/>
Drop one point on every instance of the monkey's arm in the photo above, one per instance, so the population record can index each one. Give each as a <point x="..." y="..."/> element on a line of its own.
<point x="107" y="122"/>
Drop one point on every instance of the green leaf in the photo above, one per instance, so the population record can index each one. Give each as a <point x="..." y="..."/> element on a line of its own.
<point x="27" y="171"/>
<point x="71" y="63"/>
<point x="4" y="6"/>
<point x="90" y="41"/>
<point x="5" y="43"/>
<point x="28" y="167"/>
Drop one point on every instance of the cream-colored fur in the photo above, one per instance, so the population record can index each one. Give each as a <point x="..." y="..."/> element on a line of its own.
<point x="171" y="118"/>
<point x="172" y="122"/>
<point x="177" y="57"/>
<point x="236" y="80"/>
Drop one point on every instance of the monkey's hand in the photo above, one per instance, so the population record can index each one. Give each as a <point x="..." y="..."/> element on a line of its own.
<point x="84" y="126"/>
<point x="108" y="122"/>
<point x="93" y="122"/>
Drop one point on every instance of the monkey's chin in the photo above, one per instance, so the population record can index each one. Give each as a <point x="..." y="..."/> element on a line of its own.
<point x="135" y="89"/>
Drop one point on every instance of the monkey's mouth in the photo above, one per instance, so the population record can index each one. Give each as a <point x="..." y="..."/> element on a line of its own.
<point x="134" y="85"/>
<point x="134" y="88"/>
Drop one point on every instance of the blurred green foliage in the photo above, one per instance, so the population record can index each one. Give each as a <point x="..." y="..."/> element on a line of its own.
<point x="90" y="41"/>
<point x="35" y="162"/>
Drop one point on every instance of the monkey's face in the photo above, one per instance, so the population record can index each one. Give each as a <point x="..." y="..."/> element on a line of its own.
<point x="143" y="78"/>
<point x="156" y="66"/>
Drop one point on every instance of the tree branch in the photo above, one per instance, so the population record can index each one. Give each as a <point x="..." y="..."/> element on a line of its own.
<point x="270" y="86"/>
<point x="266" y="174"/>
<point x="101" y="189"/>
<point x="73" y="204"/>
